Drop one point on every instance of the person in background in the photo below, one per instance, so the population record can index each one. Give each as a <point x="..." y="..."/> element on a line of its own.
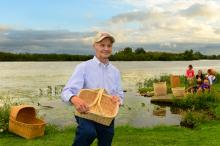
<point x="199" y="78"/>
<point x="205" y="86"/>
<point x="211" y="76"/>
<point x="199" y="82"/>
<point x="190" y="75"/>
<point x="94" y="73"/>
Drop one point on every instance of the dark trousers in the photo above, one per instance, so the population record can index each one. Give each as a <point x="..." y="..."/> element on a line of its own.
<point x="88" y="130"/>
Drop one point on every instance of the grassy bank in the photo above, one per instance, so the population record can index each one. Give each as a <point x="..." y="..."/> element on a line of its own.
<point x="205" y="134"/>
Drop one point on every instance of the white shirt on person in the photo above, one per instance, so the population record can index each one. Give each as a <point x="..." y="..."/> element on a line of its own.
<point x="211" y="79"/>
<point x="94" y="74"/>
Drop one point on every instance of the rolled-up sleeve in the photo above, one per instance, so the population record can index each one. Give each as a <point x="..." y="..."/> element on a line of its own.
<point x="74" y="84"/>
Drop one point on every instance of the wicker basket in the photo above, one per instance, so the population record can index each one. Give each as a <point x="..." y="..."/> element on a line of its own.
<point x="178" y="91"/>
<point x="101" y="108"/>
<point x="23" y="122"/>
<point x="160" y="89"/>
<point x="175" y="81"/>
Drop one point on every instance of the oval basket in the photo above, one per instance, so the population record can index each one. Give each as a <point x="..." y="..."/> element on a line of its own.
<point x="101" y="108"/>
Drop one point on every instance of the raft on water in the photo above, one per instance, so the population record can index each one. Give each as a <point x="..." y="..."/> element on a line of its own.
<point x="169" y="98"/>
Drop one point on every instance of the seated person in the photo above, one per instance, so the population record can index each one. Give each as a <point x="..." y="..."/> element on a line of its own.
<point x="211" y="76"/>
<point x="199" y="82"/>
<point x="199" y="78"/>
<point x="205" y="86"/>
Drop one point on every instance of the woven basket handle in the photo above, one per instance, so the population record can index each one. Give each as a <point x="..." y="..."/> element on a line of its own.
<point x="99" y="97"/>
<point x="97" y="100"/>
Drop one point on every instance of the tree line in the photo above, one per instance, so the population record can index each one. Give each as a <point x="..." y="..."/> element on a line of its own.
<point x="127" y="54"/>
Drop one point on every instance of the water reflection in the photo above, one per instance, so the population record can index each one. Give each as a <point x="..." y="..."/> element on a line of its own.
<point x="159" y="111"/>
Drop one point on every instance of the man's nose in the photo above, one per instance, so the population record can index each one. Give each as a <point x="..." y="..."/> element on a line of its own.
<point x="106" y="48"/>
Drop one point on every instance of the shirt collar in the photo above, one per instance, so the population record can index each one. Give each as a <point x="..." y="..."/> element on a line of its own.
<point x="99" y="62"/>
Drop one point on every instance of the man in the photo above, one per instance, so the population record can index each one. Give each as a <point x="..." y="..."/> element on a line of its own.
<point x="94" y="73"/>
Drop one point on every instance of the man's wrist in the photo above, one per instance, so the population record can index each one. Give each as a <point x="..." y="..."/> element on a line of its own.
<point x="71" y="99"/>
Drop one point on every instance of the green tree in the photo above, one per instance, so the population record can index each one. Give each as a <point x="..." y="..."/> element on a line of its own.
<point x="139" y="51"/>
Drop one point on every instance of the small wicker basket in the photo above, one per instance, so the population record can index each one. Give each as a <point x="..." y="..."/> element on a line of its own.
<point x="101" y="108"/>
<point x="178" y="91"/>
<point x="23" y="122"/>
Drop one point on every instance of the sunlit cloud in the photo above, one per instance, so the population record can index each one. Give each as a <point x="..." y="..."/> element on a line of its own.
<point x="168" y="23"/>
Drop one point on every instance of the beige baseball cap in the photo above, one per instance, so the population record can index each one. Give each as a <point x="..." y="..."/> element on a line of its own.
<point x="101" y="35"/>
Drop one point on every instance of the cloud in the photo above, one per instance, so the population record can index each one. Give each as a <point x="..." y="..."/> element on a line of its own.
<point x="201" y="10"/>
<point x="40" y="41"/>
<point x="4" y="28"/>
<point x="187" y="21"/>
<point x="146" y="22"/>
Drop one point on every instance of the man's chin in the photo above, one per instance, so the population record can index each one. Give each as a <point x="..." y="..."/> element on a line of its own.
<point x="106" y="56"/>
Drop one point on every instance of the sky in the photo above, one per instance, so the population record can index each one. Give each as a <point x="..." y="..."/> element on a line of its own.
<point x="68" y="26"/>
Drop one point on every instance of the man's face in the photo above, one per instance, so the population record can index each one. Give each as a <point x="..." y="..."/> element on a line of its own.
<point x="103" y="48"/>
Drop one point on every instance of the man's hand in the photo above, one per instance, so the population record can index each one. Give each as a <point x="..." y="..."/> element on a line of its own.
<point x="79" y="104"/>
<point x="116" y="99"/>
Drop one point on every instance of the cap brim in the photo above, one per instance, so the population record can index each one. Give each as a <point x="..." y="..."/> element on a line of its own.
<point x="103" y="37"/>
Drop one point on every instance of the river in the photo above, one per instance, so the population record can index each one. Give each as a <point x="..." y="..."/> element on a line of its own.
<point x="39" y="83"/>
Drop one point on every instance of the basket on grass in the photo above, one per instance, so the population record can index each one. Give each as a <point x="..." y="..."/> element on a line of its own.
<point x="178" y="91"/>
<point x="160" y="89"/>
<point x="101" y="108"/>
<point x="23" y="122"/>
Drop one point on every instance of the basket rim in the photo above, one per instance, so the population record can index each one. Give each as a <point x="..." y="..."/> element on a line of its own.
<point x="96" y="90"/>
<point x="27" y="124"/>
<point x="101" y="115"/>
<point x="161" y="82"/>
<point x="177" y="88"/>
<point x="18" y="108"/>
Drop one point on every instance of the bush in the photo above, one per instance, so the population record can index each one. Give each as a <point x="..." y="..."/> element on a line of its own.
<point x="198" y="108"/>
<point x="191" y="119"/>
<point x="4" y="118"/>
<point x="5" y="112"/>
<point x="198" y="101"/>
<point x="145" y="90"/>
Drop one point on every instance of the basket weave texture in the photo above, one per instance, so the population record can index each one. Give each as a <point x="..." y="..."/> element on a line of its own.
<point x="160" y="89"/>
<point x="175" y="81"/>
<point x="178" y="91"/>
<point x="101" y="108"/>
<point x="24" y="123"/>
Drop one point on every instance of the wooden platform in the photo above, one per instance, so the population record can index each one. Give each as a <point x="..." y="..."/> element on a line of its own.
<point x="164" y="99"/>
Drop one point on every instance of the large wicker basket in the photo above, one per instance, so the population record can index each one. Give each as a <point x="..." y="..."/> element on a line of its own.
<point x="178" y="91"/>
<point x="23" y="122"/>
<point x="160" y="89"/>
<point x="101" y="108"/>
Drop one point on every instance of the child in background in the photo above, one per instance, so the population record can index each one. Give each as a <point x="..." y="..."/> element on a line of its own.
<point x="199" y="78"/>
<point x="190" y="75"/>
<point x="205" y="86"/>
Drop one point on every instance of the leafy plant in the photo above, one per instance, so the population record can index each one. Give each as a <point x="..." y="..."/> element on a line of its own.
<point x="145" y="90"/>
<point x="199" y="101"/>
<point x="191" y="119"/>
<point x="5" y="112"/>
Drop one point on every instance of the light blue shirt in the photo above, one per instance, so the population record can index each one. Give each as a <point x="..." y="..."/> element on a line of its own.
<point x="94" y="74"/>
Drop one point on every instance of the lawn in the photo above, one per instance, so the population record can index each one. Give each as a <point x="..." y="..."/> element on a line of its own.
<point x="207" y="134"/>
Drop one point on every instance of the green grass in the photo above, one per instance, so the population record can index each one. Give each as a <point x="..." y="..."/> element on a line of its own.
<point x="206" y="134"/>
